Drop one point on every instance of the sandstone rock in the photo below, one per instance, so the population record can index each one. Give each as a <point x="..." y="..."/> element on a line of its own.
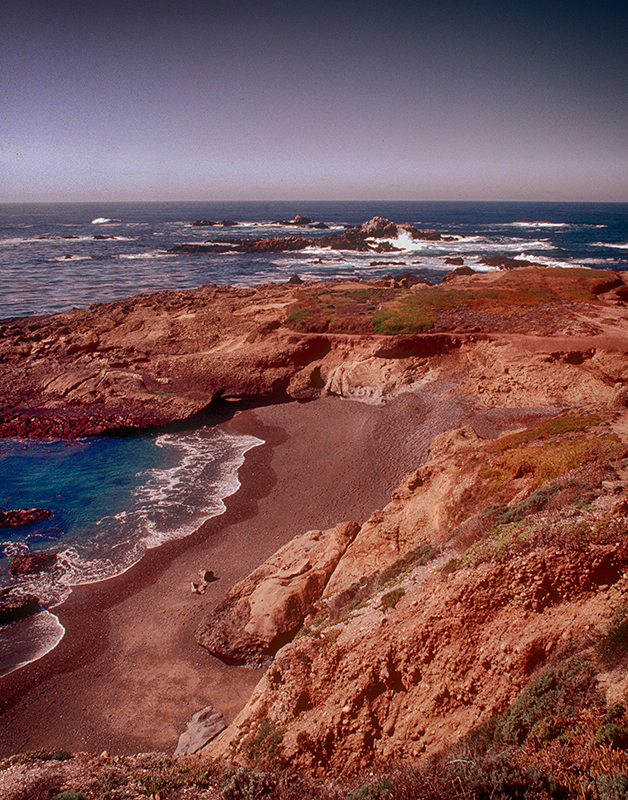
<point x="204" y="726"/>
<point x="32" y="563"/>
<point x="459" y="271"/>
<point x="149" y="360"/>
<point x="23" y="516"/>
<point x="260" y="613"/>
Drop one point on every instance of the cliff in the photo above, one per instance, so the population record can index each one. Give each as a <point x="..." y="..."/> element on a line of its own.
<point x="481" y="613"/>
<point x="529" y="337"/>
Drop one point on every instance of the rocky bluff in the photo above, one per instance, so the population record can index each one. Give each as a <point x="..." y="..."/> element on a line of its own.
<point x="154" y="359"/>
<point x="487" y="598"/>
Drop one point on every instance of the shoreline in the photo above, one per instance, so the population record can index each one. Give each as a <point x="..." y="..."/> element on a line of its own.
<point x="84" y="613"/>
<point x="128" y="674"/>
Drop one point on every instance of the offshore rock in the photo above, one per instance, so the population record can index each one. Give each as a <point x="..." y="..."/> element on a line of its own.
<point x="14" y="606"/>
<point x="378" y="226"/>
<point x="32" y="563"/>
<point x="266" y="609"/>
<point x="23" y="516"/>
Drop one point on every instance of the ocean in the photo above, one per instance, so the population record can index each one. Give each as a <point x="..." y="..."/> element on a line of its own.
<point x="113" y="498"/>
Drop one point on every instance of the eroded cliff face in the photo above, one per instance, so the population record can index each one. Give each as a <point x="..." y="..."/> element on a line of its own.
<point x="154" y="359"/>
<point x="493" y="560"/>
<point x="492" y="557"/>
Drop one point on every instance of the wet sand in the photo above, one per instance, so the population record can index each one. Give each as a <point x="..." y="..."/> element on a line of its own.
<point x="128" y="674"/>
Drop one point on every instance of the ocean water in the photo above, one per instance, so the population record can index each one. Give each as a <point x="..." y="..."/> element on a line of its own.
<point x="113" y="498"/>
<point x="57" y="256"/>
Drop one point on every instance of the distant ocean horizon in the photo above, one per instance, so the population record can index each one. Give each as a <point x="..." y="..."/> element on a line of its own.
<point x="113" y="498"/>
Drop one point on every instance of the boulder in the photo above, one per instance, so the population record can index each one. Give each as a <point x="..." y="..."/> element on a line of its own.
<point x="204" y="726"/>
<point x="202" y="223"/>
<point x="265" y="610"/>
<point x="301" y="220"/>
<point x="23" y="516"/>
<point x="459" y="271"/>
<point x="32" y="563"/>
<point x="378" y="226"/>
<point x="15" y="606"/>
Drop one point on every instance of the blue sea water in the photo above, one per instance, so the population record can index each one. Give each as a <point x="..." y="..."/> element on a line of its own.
<point x="52" y="256"/>
<point x="114" y="497"/>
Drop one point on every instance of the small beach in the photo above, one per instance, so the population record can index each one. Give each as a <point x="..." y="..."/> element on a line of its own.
<point x="128" y="674"/>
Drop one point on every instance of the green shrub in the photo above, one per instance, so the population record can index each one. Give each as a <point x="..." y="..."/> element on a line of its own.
<point x="547" y="729"/>
<point x="410" y="561"/>
<point x="262" y="746"/>
<point x="559" y="690"/>
<point x="390" y="599"/>
<point x="246" y="784"/>
<point x="370" y="791"/>
<point x="611" y="788"/>
<point x="70" y="795"/>
<point x="613" y="734"/>
<point x="614" y="646"/>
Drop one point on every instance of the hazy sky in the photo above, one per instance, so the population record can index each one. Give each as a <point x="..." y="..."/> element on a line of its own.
<point x="255" y="99"/>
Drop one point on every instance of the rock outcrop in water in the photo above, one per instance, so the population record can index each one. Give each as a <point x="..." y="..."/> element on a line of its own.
<point x="16" y="605"/>
<point x="357" y="240"/>
<point x="23" y="516"/>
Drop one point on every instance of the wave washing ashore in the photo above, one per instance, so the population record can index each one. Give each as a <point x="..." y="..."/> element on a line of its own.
<point x="113" y="498"/>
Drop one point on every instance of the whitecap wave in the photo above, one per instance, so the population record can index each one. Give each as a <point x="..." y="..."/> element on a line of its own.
<point x="613" y="245"/>
<point x="538" y="225"/>
<point x="170" y="503"/>
<point x="139" y="256"/>
<point x="547" y="262"/>
<point x="104" y="221"/>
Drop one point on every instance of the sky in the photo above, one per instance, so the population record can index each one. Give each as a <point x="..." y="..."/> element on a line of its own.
<point x="316" y="100"/>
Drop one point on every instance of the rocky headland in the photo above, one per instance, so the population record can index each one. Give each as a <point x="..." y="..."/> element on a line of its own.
<point x="468" y="638"/>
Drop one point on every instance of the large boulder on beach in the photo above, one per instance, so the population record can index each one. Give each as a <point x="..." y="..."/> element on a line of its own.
<point x="32" y="563"/>
<point x="265" y="610"/>
<point x="14" y="605"/>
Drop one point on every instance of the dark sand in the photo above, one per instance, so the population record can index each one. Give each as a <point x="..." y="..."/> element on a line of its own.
<point x="128" y="674"/>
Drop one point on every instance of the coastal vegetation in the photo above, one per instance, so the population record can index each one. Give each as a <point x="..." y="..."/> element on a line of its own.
<point x="504" y="301"/>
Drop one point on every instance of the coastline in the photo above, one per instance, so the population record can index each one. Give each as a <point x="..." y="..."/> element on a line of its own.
<point x="128" y="674"/>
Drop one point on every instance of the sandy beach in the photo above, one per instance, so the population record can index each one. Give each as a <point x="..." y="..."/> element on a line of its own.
<point x="128" y="674"/>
